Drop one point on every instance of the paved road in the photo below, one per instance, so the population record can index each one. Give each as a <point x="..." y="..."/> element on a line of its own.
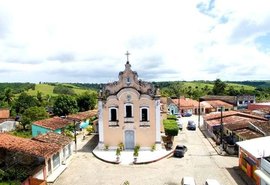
<point x="201" y="161"/>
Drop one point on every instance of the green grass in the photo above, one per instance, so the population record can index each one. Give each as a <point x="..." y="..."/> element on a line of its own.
<point x="20" y="133"/>
<point x="47" y="89"/>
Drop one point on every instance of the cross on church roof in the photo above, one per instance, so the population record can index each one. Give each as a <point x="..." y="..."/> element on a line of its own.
<point x="127" y="53"/>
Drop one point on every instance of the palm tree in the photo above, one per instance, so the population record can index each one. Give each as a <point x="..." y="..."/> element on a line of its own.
<point x="8" y="95"/>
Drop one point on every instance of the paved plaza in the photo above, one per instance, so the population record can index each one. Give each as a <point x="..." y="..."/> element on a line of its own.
<point x="201" y="161"/>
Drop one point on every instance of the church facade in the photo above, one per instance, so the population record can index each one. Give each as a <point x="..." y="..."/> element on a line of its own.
<point x="129" y="112"/>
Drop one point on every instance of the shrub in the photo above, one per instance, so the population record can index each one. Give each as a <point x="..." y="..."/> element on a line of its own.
<point x="171" y="117"/>
<point x="90" y="129"/>
<point x="136" y="151"/>
<point x="121" y="146"/>
<point x="170" y="127"/>
<point x="118" y="152"/>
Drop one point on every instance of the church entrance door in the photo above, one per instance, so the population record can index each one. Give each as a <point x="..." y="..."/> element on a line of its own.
<point x="129" y="139"/>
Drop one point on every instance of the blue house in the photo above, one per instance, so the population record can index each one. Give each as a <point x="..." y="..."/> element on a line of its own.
<point x="55" y="124"/>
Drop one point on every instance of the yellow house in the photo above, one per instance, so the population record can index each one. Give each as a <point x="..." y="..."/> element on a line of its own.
<point x="129" y="113"/>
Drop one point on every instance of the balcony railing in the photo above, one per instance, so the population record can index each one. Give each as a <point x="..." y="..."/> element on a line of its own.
<point x="129" y="120"/>
<point x="144" y="124"/>
<point x="113" y="124"/>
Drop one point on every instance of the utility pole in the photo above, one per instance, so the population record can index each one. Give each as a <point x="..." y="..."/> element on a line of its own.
<point x="75" y="136"/>
<point x="221" y="128"/>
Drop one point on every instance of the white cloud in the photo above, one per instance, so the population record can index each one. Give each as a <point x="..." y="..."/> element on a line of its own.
<point x="85" y="41"/>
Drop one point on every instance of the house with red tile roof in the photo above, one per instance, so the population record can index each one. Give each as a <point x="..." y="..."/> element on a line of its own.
<point x="239" y="101"/>
<point x="187" y="105"/>
<point x="54" y="124"/>
<point x="58" y="124"/>
<point x="50" y="150"/>
<point x="6" y="123"/>
<point x="234" y="123"/>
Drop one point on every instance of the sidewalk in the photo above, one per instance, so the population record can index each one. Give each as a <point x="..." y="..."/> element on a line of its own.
<point x="126" y="157"/>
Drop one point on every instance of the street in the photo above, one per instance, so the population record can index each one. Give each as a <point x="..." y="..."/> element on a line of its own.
<point x="200" y="161"/>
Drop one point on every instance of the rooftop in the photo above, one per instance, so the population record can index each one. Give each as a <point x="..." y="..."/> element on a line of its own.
<point x="248" y="133"/>
<point x="83" y="115"/>
<point x="231" y="113"/>
<point x="186" y="102"/>
<point x="258" y="147"/>
<point x="28" y="146"/>
<point x="52" y="137"/>
<point x="219" y="103"/>
<point x="53" y="123"/>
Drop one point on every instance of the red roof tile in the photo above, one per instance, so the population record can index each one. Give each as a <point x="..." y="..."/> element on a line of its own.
<point x="28" y="146"/>
<point x="83" y="115"/>
<point x="52" y="137"/>
<point x="231" y="113"/>
<point x="186" y="102"/>
<point x="219" y="103"/>
<point x="248" y="133"/>
<point x="53" y="123"/>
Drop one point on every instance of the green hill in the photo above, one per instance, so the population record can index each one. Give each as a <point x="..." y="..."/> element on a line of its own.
<point x="47" y="89"/>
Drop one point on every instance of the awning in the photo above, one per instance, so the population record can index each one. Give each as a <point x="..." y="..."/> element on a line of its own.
<point x="263" y="175"/>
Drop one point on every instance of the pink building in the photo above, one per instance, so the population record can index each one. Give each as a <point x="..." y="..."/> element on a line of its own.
<point x="129" y="113"/>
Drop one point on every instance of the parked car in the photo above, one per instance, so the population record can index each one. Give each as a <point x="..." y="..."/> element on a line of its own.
<point x="188" y="181"/>
<point x="180" y="151"/>
<point x="179" y="124"/>
<point x="186" y="114"/>
<point x="191" y="125"/>
<point x="211" y="182"/>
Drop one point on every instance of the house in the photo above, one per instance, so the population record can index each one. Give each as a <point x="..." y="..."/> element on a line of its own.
<point x="234" y="123"/>
<point x="83" y="118"/>
<point x="205" y="108"/>
<point x="238" y="102"/>
<point x="46" y="153"/>
<point x="56" y="163"/>
<point x="252" y="155"/>
<point x="187" y="105"/>
<point x="260" y="108"/>
<point x="168" y="106"/>
<point x="129" y="112"/>
<point x="6" y="123"/>
<point x="264" y="171"/>
<point x="40" y="157"/>
<point x="217" y="105"/>
<point x="54" y="124"/>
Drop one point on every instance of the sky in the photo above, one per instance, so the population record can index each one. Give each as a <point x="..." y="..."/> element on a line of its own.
<point x="86" y="41"/>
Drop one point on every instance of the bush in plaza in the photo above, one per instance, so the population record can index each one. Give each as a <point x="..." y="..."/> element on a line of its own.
<point x="170" y="127"/>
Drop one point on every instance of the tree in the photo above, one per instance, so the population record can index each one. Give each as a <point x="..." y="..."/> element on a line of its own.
<point x="39" y="98"/>
<point x="24" y="102"/>
<point x="65" y="105"/>
<point x="87" y="101"/>
<point x="33" y="114"/>
<point x="219" y="87"/>
<point x="8" y="96"/>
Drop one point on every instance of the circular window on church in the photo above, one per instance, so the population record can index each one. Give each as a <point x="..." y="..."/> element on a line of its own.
<point x="128" y="97"/>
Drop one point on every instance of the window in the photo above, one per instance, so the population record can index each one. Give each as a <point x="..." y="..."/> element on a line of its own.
<point x="113" y="114"/>
<point x="128" y="111"/>
<point x="56" y="160"/>
<point x="144" y="113"/>
<point x="240" y="102"/>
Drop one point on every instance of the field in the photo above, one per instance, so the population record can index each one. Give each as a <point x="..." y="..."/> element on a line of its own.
<point x="47" y="89"/>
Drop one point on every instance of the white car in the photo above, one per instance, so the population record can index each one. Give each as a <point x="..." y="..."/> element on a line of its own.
<point x="211" y="182"/>
<point x="188" y="181"/>
<point x="179" y="123"/>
